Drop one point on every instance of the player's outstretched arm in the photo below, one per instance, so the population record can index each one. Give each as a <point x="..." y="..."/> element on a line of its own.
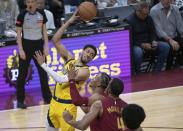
<point x="77" y="99"/>
<point x="41" y="61"/>
<point x="64" y="53"/>
<point x="87" y="119"/>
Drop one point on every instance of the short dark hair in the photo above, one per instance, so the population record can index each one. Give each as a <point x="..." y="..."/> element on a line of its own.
<point x="105" y="78"/>
<point x="141" y="5"/>
<point x="91" y="46"/>
<point x="116" y="87"/>
<point x="133" y="115"/>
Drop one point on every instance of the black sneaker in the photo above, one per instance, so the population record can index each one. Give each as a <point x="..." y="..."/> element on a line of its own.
<point x="21" y="105"/>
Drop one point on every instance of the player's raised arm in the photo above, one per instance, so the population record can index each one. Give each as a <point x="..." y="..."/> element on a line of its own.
<point x="64" y="53"/>
<point x="82" y="75"/>
<point x="76" y="98"/>
<point x="41" y="61"/>
<point x="82" y="124"/>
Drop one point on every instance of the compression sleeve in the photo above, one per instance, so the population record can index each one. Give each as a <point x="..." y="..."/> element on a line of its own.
<point x="57" y="77"/>
<point x="76" y="98"/>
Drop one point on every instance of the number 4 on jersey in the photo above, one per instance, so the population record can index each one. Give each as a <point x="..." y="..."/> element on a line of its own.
<point x="120" y="123"/>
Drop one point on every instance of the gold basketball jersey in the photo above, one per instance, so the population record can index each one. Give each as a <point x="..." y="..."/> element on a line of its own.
<point x="63" y="91"/>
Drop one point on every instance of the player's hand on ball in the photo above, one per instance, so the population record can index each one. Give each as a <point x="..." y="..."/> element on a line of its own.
<point x="74" y="17"/>
<point x="87" y="11"/>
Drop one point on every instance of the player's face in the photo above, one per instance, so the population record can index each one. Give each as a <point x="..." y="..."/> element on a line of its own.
<point x="87" y="55"/>
<point x="95" y="83"/>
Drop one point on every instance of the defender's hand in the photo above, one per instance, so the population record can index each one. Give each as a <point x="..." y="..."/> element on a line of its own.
<point x="67" y="116"/>
<point x="71" y="71"/>
<point x="39" y="57"/>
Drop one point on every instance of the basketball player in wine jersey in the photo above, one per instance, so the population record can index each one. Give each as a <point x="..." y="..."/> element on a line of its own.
<point x="104" y="114"/>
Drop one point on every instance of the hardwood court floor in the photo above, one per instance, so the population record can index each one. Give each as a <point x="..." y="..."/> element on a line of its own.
<point x="163" y="107"/>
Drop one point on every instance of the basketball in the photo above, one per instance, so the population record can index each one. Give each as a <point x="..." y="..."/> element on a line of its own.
<point x="87" y="11"/>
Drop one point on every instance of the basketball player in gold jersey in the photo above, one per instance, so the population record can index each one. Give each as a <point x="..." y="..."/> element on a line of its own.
<point x="61" y="100"/>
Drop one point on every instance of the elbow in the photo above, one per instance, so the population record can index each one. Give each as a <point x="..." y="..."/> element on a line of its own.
<point x="75" y="102"/>
<point x="82" y="127"/>
<point x="78" y="101"/>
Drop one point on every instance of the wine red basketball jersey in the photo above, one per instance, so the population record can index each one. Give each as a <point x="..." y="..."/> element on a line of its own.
<point x="111" y="119"/>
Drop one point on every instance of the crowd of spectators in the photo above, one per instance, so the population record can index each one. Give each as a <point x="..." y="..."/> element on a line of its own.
<point x="165" y="19"/>
<point x="9" y="12"/>
<point x="144" y="38"/>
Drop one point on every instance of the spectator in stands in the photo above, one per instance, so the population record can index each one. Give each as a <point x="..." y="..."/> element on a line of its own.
<point x="50" y="23"/>
<point x="70" y="6"/>
<point x="173" y="2"/>
<point x="73" y="2"/>
<point x="9" y="12"/>
<point x="155" y="2"/>
<point x="144" y="38"/>
<point x="107" y="3"/>
<point x="21" y="5"/>
<point x="169" y="24"/>
<point x="57" y="8"/>
<point x="179" y="3"/>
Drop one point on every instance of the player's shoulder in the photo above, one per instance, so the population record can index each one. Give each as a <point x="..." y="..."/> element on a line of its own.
<point x="84" y="69"/>
<point x="97" y="103"/>
<point x="96" y="96"/>
<point x="70" y="61"/>
<point x="84" y="72"/>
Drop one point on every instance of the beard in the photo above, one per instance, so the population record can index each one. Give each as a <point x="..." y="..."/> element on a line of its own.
<point x="82" y="61"/>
